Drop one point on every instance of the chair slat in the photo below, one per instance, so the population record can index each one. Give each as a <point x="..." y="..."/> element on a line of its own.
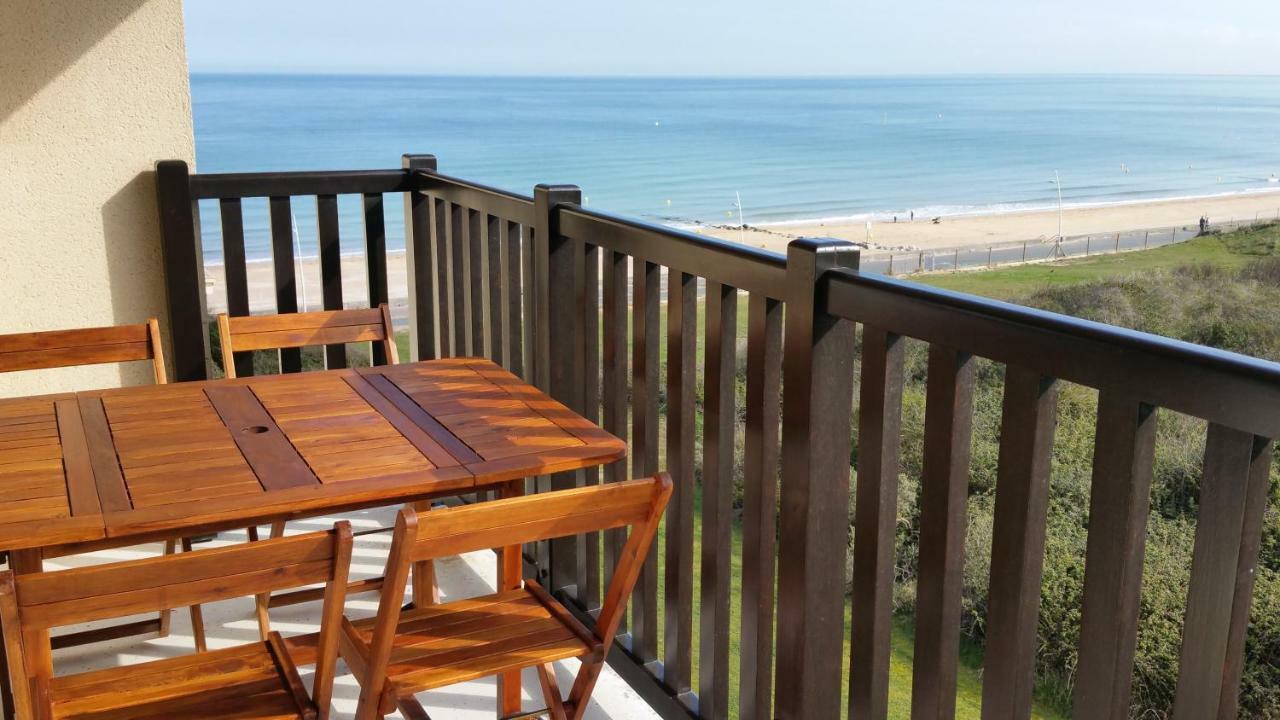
<point x="308" y="320"/>
<point x="68" y="597"/>
<point x="944" y="491"/>
<point x="307" y="336"/>
<point x="1119" y="500"/>
<point x="1017" y="555"/>
<point x="879" y="431"/>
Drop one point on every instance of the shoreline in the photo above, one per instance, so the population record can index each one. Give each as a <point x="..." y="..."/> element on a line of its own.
<point x="954" y="231"/>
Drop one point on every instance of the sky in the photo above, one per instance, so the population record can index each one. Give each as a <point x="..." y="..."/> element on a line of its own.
<point x="734" y="37"/>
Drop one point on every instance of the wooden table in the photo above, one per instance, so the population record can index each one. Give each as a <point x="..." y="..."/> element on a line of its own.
<point x="117" y="467"/>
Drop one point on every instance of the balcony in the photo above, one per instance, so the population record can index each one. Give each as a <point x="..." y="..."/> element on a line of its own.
<point x="648" y="331"/>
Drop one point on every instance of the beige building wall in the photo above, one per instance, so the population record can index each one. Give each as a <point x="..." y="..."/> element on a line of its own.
<point x="91" y="95"/>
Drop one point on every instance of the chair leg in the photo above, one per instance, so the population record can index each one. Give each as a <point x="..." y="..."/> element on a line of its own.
<point x="551" y="691"/>
<point x="167" y="614"/>
<point x="197" y="613"/>
<point x="411" y="709"/>
<point x="263" y="601"/>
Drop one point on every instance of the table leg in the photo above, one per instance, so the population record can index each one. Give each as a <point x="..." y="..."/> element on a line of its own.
<point x="24" y="562"/>
<point x="423" y="579"/>
<point x="509" y="572"/>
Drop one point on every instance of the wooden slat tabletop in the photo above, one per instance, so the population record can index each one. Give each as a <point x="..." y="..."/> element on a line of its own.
<point x="111" y="466"/>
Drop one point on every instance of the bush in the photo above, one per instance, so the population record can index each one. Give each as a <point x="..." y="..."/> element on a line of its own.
<point x="1232" y="310"/>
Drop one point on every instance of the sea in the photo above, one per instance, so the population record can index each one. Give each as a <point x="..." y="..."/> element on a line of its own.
<point x="760" y="151"/>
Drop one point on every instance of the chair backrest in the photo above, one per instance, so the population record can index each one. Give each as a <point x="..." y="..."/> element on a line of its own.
<point x="637" y="504"/>
<point x="84" y="346"/>
<point x="294" y="330"/>
<point x="31" y="604"/>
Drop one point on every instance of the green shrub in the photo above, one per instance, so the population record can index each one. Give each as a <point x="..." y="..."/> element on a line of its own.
<point x="1233" y="310"/>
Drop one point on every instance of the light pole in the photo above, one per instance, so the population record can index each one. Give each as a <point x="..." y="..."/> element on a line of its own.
<point x="1058" y="181"/>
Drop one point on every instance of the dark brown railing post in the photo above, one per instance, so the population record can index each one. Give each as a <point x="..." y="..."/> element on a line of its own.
<point x="559" y="296"/>
<point x="183" y="271"/>
<point x="816" y="410"/>
<point x="418" y="251"/>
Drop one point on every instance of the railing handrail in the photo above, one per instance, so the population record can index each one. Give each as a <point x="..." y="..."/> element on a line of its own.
<point x="216" y="186"/>
<point x="507" y="204"/>
<point x="1226" y="387"/>
<point x="739" y="266"/>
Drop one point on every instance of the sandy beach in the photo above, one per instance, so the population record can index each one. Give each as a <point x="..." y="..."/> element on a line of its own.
<point x="923" y="234"/>
<point x="982" y="230"/>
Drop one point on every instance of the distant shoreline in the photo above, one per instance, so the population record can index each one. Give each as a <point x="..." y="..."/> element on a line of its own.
<point x="954" y="231"/>
<point x="927" y="213"/>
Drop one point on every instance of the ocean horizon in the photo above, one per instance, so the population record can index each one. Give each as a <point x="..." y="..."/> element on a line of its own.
<point x="683" y="150"/>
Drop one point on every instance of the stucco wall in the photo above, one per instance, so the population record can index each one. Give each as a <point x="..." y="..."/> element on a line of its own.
<point x="91" y="95"/>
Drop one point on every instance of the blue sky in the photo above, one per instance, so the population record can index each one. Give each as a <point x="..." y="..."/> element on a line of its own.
<point x="738" y="37"/>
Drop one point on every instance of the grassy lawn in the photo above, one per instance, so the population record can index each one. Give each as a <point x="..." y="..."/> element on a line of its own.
<point x="969" y="680"/>
<point x="1012" y="282"/>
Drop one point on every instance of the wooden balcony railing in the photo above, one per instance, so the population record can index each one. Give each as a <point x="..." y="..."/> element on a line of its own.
<point x="545" y="287"/>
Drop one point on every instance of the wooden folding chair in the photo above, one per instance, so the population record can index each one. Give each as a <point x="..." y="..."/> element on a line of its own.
<point x="84" y="346"/>
<point x="94" y="346"/>
<point x="258" y="680"/>
<point x="397" y="654"/>
<point x="296" y="330"/>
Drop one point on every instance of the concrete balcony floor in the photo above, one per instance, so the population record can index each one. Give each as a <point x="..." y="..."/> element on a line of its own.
<point x="233" y="622"/>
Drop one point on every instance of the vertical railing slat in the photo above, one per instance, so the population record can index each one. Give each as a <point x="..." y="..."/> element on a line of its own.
<point x="1119" y="500"/>
<point x="760" y="505"/>
<point x="477" y="282"/>
<point x="231" y="214"/>
<point x="441" y="240"/>
<point x="1246" y="573"/>
<point x="420" y="248"/>
<point x="529" y="293"/>
<point x="1018" y="534"/>
<point x="513" y="268"/>
<point x="614" y="390"/>
<point x="331" y="270"/>
<point x="720" y="418"/>
<point x="495" y="287"/>
<point x="682" y="320"/>
<point x="281" y="217"/>
<point x="1230" y="467"/>
<point x="944" y="492"/>
<point x="876" y="508"/>
<point x="459" y="297"/>
<point x="589" y="558"/>
<point x="375" y="256"/>
<point x="646" y="304"/>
